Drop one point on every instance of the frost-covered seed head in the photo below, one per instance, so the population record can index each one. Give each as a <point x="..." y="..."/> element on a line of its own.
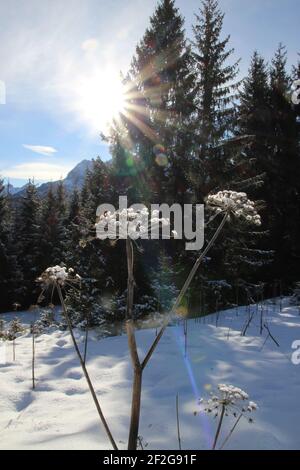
<point x="58" y="275"/>
<point x="230" y="397"/>
<point x="236" y="204"/>
<point x="129" y="223"/>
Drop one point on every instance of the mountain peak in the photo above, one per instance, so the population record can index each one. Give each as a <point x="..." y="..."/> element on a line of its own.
<point x="74" y="179"/>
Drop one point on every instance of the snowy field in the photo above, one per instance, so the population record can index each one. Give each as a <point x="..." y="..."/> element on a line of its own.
<point x="60" y="413"/>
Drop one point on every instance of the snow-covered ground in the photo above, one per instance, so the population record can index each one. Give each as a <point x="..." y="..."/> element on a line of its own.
<point x="60" y="413"/>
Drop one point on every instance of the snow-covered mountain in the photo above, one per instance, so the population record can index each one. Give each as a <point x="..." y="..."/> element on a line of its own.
<point x="74" y="179"/>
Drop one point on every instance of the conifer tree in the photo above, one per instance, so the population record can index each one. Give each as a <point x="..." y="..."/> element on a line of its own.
<point x="216" y="94"/>
<point x="254" y="119"/>
<point x="170" y="90"/>
<point x="88" y="255"/>
<point x="283" y="182"/>
<point x="52" y="232"/>
<point x="29" y="240"/>
<point x="61" y="201"/>
<point x="74" y="230"/>
<point x="156" y="130"/>
<point x="254" y="110"/>
<point x="73" y="215"/>
<point x="245" y="260"/>
<point x="221" y="160"/>
<point x="11" y="286"/>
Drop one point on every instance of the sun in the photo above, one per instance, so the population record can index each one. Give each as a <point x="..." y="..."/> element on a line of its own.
<point x="100" y="99"/>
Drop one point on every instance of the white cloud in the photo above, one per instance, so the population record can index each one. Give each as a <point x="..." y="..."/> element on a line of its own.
<point x="41" y="149"/>
<point x="37" y="170"/>
<point x="90" y="45"/>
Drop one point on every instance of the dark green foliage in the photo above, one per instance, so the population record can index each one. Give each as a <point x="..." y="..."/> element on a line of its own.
<point x="153" y="143"/>
<point x="52" y="227"/>
<point x="11" y="288"/>
<point x="216" y="93"/>
<point x="29" y="241"/>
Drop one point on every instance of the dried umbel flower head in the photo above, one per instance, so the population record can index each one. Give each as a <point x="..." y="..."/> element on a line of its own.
<point x="232" y="398"/>
<point x="58" y="275"/>
<point x="130" y="223"/>
<point x="236" y="204"/>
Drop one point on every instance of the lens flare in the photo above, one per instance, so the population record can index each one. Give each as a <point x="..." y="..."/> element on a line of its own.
<point x="205" y="424"/>
<point x="161" y="158"/>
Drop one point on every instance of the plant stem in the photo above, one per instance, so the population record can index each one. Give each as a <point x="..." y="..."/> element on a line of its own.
<point x="261" y="314"/>
<point x="85" y="344"/>
<point x="177" y="420"/>
<point x="130" y="279"/>
<point x="139" y="367"/>
<point x="243" y="333"/>
<point x="93" y="393"/>
<point x="33" y="356"/>
<point x="184" y="289"/>
<point x="219" y="428"/>
<point x="231" y="431"/>
<point x="136" y="365"/>
<point x="135" y="409"/>
<point x="88" y="322"/>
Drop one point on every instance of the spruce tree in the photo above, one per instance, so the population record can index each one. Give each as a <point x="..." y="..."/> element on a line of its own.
<point x="61" y="201"/>
<point x="252" y="252"/>
<point x="29" y="240"/>
<point x="77" y="232"/>
<point x="11" y="285"/>
<point x="157" y="124"/>
<point x="52" y="231"/>
<point x="283" y="181"/>
<point x="254" y="110"/>
<point x="152" y="140"/>
<point x="73" y="216"/>
<point x="170" y="90"/>
<point x="216" y="95"/>
<point x="88" y="255"/>
<point x="221" y="157"/>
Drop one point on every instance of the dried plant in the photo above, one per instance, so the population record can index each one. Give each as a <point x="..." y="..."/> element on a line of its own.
<point x="229" y="203"/>
<point x="229" y="400"/>
<point x="58" y="277"/>
<point x="14" y="329"/>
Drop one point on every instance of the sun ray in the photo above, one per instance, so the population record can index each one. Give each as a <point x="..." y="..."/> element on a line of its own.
<point x="144" y="128"/>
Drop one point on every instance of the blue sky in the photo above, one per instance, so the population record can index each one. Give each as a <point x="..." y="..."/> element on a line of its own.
<point x="60" y="62"/>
